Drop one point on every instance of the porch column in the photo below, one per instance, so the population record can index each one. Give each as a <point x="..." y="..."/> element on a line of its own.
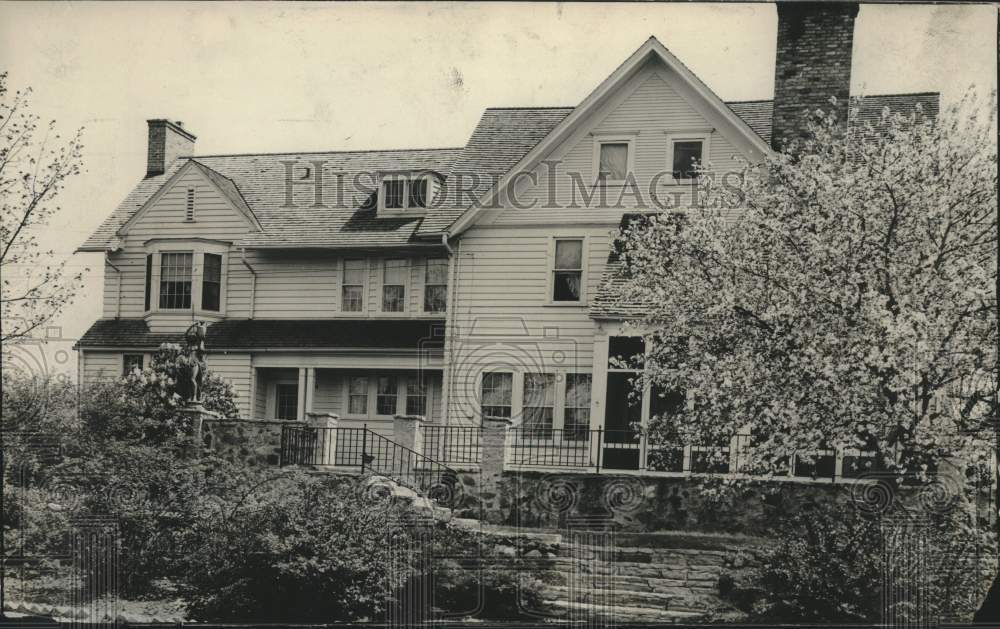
<point x="325" y="425"/>
<point x="598" y="392"/>
<point x="310" y="393"/>
<point x="300" y="406"/>
<point x="407" y="431"/>
<point x="495" y="434"/>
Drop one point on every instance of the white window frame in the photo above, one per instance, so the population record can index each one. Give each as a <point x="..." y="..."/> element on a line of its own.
<point x="516" y="388"/>
<point x="406" y="209"/>
<point x="145" y="361"/>
<point x="550" y="270"/>
<point x="407" y="288"/>
<point x="600" y="140"/>
<point x="704" y="137"/>
<point x="423" y="287"/>
<point x="371" y="405"/>
<point x="272" y="403"/>
<point x="197" y="249"/>
<point x="364" y="288"/>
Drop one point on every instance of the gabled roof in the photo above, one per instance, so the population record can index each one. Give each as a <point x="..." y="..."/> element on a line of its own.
<point x="502" y="137"/>
<point x="261" y="334"/>
<point x="259" y="183"/>
<point x="223" y="184"/>
<point x="651" y="49"/>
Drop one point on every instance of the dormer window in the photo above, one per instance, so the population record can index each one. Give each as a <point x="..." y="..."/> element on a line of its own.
<point x="404" y="193"/>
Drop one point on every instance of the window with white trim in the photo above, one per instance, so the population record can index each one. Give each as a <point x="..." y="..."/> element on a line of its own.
<point x="357" y="395"/>
<point x="436" y="285"/>
<point x="612" y="162"/>
<point x="686" y="152"/>
<point x="497" y="394"/>
<point x="539" y="404"/>
<point x="401" y="193"/>
<point x="394" y="276"/>
<point x="175" y="280"/>
<point x="416" y="396"/>
<point x="576" y="414"/>
<point x="386" y="395"/>
<point x="286" y="400"/>
<point x="211" y="282"/>
<point x="130" y="363"/>
<point x="567" y="270"/>
<point x="352" y="291"/>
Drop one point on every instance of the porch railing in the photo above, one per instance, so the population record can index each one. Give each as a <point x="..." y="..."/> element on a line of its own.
<point x="366" y="450"/>
<point x="453" y="444"/>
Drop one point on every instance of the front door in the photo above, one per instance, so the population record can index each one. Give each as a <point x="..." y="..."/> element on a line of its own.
<point x="621" y="412"/>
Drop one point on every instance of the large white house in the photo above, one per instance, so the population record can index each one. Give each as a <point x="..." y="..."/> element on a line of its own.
<point x="450" y="283"/>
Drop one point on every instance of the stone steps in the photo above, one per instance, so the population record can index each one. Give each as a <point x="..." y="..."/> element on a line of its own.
<point x="619" y="613"/>
<point x="650" y="573"/>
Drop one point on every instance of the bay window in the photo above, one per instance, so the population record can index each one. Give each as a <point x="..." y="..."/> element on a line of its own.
<point x="175" y="280"/>
<point x="539" y="404"/>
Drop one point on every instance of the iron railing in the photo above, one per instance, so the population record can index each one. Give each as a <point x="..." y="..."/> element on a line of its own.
<point x="453" y="444"/>
<point x="368" y="451"/>
<point x="385" y="457"/>
<point x="572" y="448"/>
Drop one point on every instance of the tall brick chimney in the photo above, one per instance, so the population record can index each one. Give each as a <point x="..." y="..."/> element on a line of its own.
<point x="813" y="63"/>
<point x="167" y="142"/>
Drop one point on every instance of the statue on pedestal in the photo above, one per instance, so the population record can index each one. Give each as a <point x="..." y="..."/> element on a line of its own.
<point x="194" y="339"/>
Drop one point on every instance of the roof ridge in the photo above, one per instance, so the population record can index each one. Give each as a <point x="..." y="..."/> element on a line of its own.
<point x="530" y="107"/>
<point x="771" y="100"/>
<point x="443" y="148"/>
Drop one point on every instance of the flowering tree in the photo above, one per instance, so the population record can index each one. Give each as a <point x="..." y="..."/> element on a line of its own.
<point x="33" y="171"/>
<point x="846" y="299"/>
<point x="841" y="295"/>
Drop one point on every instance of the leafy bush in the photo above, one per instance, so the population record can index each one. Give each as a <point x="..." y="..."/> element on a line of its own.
<point x="829" y="565"/>
<point x="292" y="546"/>
<point x="145" y="406"/>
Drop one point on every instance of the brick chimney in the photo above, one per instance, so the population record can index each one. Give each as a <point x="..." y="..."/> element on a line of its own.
<point x="813" y="63"/>
<point x="168" y="141"/>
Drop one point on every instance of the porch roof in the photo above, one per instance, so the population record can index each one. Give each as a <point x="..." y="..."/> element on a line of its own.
<point x="270" y="334"/>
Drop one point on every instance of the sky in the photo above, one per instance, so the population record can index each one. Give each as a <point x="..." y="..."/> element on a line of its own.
<point x="274" y="77"/>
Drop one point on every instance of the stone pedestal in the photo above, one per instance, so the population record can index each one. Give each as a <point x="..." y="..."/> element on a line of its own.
<point x="494" y="439"/>
<point x="407" y="431"/>
<point x="326" y="437"/>
<point x="198" y="414"/>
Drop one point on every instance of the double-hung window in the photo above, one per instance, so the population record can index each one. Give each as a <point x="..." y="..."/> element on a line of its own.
<point x="395" y="189"/>
<point x="567" y="270"/>
<point x="405" y="193"/>
<point x="211" y="282"/>
<point x="576" y="420"/>
<point x="175" y="280"/>
<point x="497" y="394"/>
<point x="539" y="404"/>
<point x="416" y="396"/>
<point x="353" y="286"/>
<point x="394" y="276"/>
<point x="386" y="395"/>
<point x="357" y="395"/>
<point x="436" y="285"/>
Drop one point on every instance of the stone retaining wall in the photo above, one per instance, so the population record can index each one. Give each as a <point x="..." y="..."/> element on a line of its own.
<point x="254" y="442"/>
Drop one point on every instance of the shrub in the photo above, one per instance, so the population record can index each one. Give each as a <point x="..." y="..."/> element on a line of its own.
<point x="292" y="546"/>
<point x="828" y="566"/>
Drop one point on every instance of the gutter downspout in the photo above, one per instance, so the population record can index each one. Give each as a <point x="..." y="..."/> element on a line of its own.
<point x="253" y="281"/>
<point x="118" y="284"/>
<point x="444" y="241"/>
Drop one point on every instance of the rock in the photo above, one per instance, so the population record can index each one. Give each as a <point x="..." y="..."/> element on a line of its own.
<point x="506" y="551"/>
<point x="534" y="554"/>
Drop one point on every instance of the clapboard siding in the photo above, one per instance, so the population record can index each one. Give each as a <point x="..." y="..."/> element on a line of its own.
<point x="234" y="369"/>
<point x="99" y="366"/>
<point x="652" y="109"/>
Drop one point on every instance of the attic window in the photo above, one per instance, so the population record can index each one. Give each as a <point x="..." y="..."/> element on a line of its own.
<point x="401" y="193"/>
<point x="394" y="193"/>
<point x="189" y="214"/>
